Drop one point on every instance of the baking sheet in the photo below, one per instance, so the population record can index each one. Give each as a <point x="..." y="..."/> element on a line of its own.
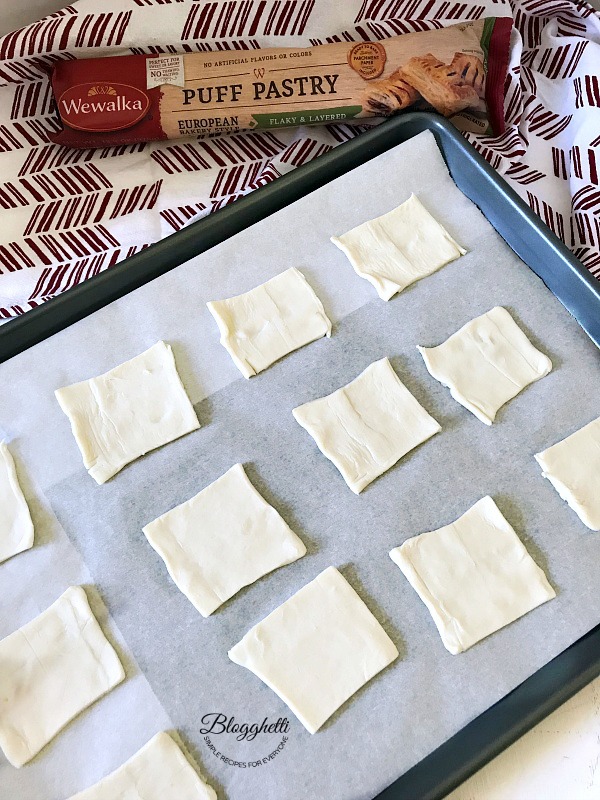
<point x="177" y="661"/>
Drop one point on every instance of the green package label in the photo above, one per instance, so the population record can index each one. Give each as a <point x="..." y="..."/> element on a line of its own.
<point x="304" y="117"/>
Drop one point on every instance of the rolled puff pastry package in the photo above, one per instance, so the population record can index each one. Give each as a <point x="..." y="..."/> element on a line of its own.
<point x="459" y="71"/>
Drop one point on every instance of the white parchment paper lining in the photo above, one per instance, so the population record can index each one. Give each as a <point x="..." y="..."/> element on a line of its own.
<point x="177" y="663"/>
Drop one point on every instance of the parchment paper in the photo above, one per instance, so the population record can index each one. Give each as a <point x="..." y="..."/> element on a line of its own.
<point x="177" y="661"/>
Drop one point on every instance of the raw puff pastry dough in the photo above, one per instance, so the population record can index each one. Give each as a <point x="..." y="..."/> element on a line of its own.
<point x="573" y="467"/>
<point x="398" y="248"/>
<point x="263" y="325"/>
<point x="224" y="538"/>
<point x="50" y="670"/>
<point x="368" y="425"/>
<point x="317" y="649"/>
<point x="475" y="575"/>
<point x="16" y="527"/>
<point x="486" y="363"/>
<point x="159" y="771"/>
<point x="132" y="409"/>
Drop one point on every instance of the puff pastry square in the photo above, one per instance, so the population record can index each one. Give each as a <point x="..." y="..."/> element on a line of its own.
<point x="486" y="363"/>
<point x="158" y="771"/>
<point x="573" y="467"/>
<point x="224" y="538"/>
<point x="368" y="425"/>
<point x="50" y="670"/>
<point x="475" y="575"/>
<point x="16" y="527"/>
<point x="132" y="409"/>
<point x="263" y="325"/>
<point x="398" y="248"/>
<point x="317" y="649"/>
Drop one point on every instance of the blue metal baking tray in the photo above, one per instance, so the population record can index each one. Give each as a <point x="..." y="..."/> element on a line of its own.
<point x="534" y="243"/>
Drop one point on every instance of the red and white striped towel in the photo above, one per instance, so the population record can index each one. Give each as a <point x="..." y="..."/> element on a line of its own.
<point x="69" y="214"/>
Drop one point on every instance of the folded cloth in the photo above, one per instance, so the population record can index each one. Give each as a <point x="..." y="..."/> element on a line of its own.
<point x="69" y="214"/>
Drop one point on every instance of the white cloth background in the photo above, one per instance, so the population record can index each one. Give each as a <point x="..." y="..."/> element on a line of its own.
<point x="68" y="214"/>
<point x="559" y="758"/>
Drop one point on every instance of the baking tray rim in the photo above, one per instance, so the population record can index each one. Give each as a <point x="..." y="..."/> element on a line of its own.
<point x="79" y="301"/>
<point x="517" y="712"/>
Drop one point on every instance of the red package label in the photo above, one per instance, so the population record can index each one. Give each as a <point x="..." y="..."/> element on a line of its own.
<point x="102" y="107"/>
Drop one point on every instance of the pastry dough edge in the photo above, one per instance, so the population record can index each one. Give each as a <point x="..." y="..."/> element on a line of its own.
<point x="149" y="532"/>
<point x="161" y="739"/>
<point x="460" y="399"/>
<point x="26" y="541"/>
<point x="238" y="656"/>
<point x="384" y="287"/>
<point x="224" y="339"/>
<point x="565" y="493"/>
<point x="442" y="623"/>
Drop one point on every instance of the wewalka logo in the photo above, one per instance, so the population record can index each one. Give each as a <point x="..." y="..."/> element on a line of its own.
<point x="102" y="107"/>
<point x="216" y="724"/>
